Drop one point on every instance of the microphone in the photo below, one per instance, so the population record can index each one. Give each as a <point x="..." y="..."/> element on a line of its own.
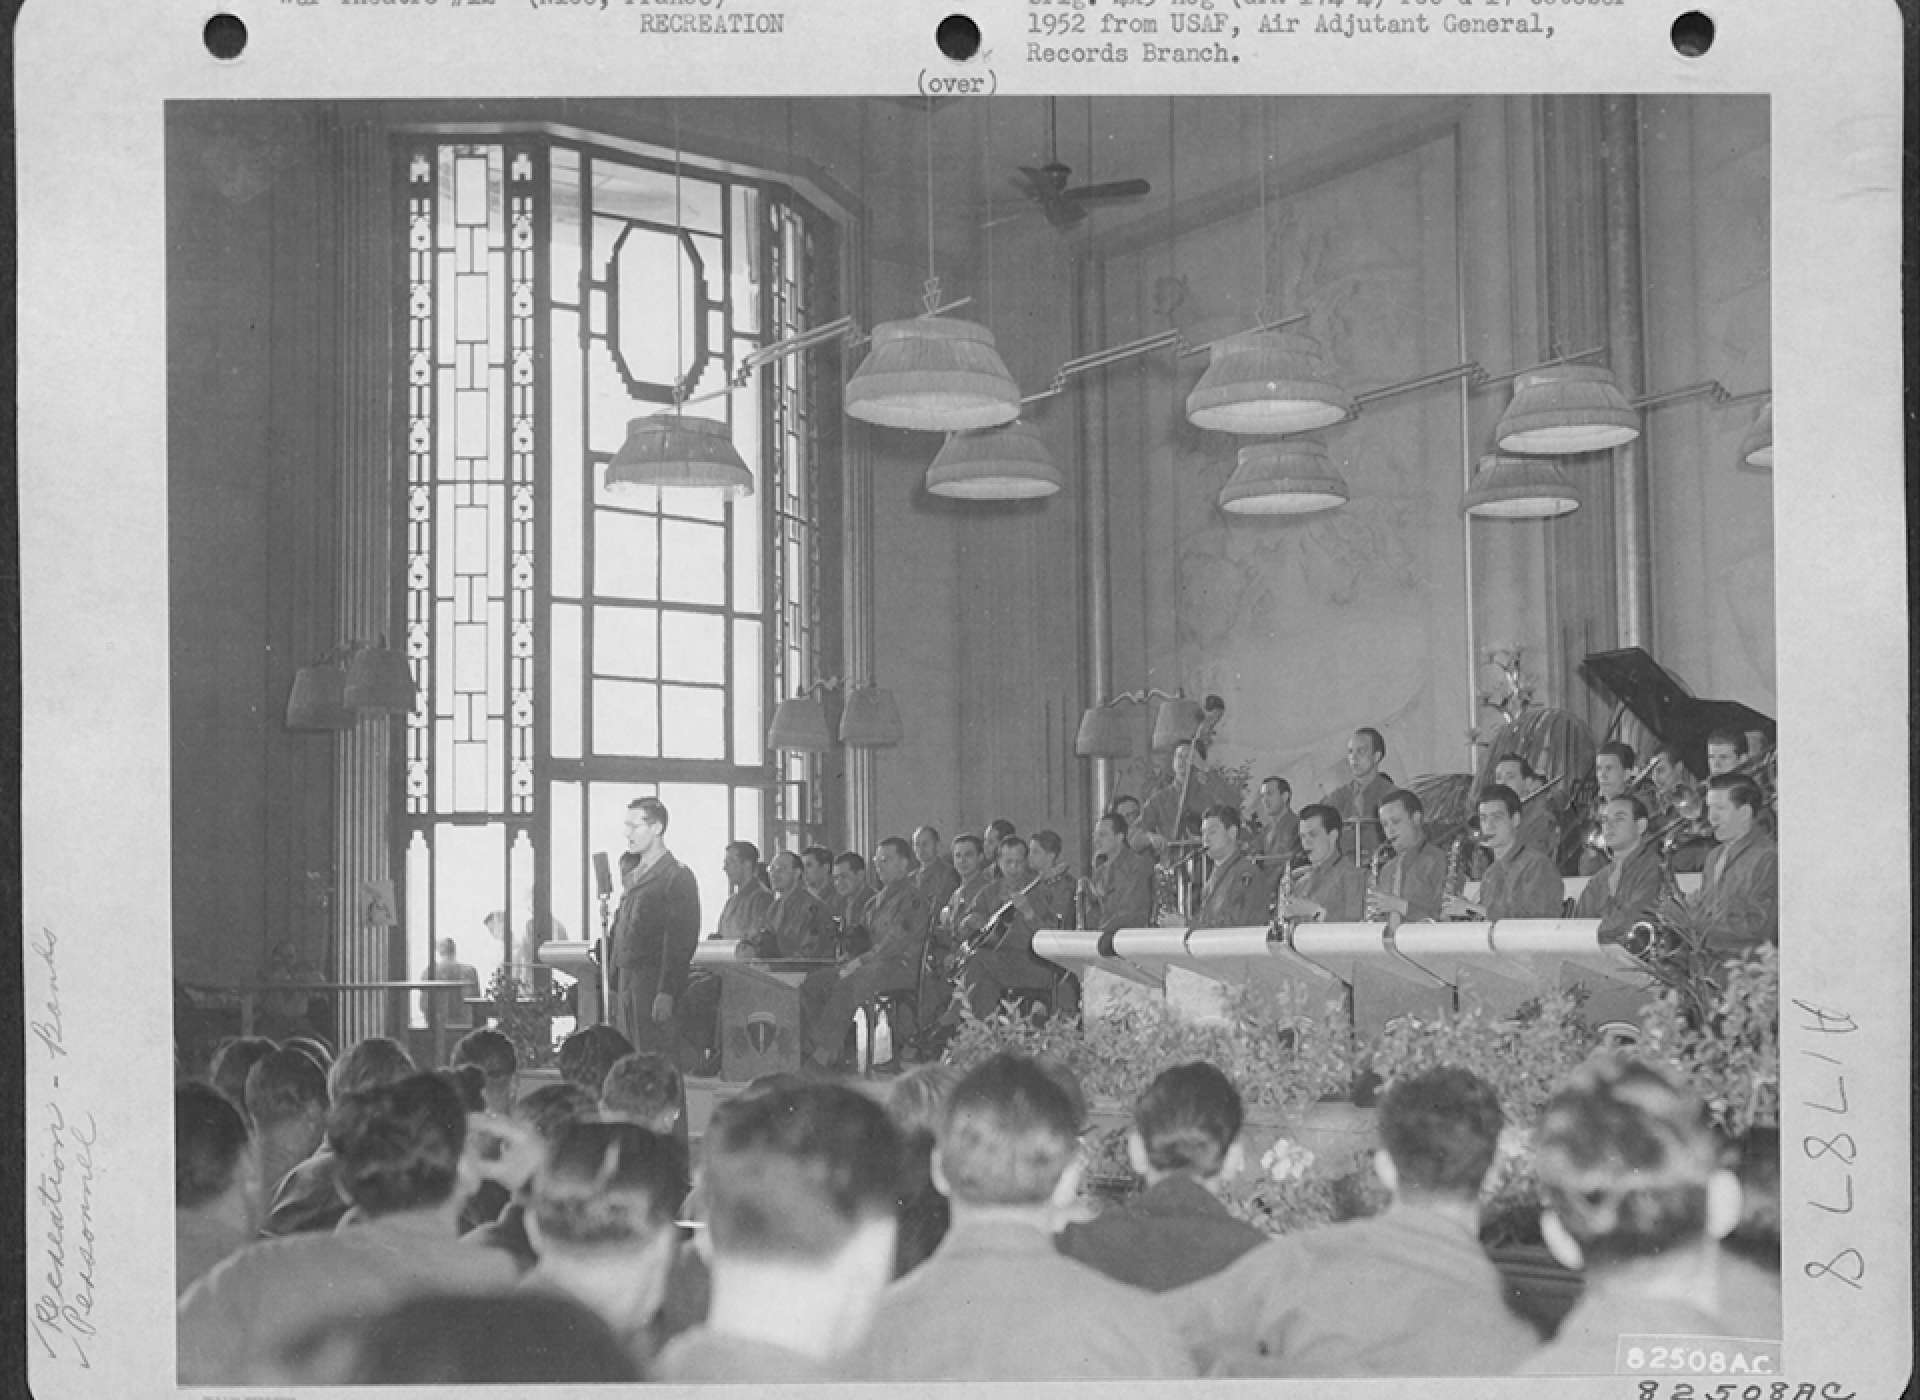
<point x="602" y="874"/>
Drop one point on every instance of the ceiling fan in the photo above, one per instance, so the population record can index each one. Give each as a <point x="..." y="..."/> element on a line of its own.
<point x="1066" y="204"/>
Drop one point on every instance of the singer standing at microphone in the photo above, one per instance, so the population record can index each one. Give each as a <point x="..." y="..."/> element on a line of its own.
<point x="655" y="931"/>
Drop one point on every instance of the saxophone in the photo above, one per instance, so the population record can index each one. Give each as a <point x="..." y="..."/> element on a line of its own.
<point x="1377" y="862"/>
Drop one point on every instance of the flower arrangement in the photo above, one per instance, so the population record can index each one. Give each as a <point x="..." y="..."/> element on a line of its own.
<point x="525" y="1017"/>
<point x="1726" y="1043"/>
<point x="1523" y="1057"/>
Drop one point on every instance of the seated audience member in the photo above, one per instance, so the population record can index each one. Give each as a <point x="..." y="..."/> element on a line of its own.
<point x="308" y="1197"/>
<point x="403" y="1166"/>
<point x="587" y="1055"/>
<point x="1185" y="1143"/>
<point x="996" y="1302"/>
<point x="1627" y="888"/>
<point x="1330" y="888"/>
<point x="1521" y="883"/>
<point x="647" y="1089"/>
<point x="232" y="1062"/>
<point x="1408" y="1292"/>
<point x="917" y="1103"/>
<point x="461" y="1339"/>
<point x="216" y="1181"/>
<point x="799" y="1186"/>
<point x="544" y="1112"/>
<point x="497" y="1060"/>
<point x="1738" y="903"/>
<point x="287" y="1104"/>
<point x="600" y="1217"/>
<point x="1637" y="1197"/>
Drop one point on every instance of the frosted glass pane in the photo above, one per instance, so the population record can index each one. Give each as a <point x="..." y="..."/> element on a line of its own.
<point x="743" y="292"/>
<point x="625" y="562"/>
<point x="470" y="882"/>
<point x="698" y="834"/>
<point x="563" y="249"/>
<point x="626" y="643"/>
<point x="693" y="647"/>
<point x="693" y="722"/>
<point x="570" y="466"/>
<point x="749" y="726"/>
<point x="693" y="503"/>
<point x="570" y="877"/>
<point x="693" y="562"/>
<point x="748" y="806"/>
<point x="746" y="554"/>
<point x="626" y="718"/>
<point x="656" y="290"/>
<point x="566" y="679"/>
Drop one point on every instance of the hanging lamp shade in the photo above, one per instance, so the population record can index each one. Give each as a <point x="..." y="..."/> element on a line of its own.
<point x="1177" y="723"/>
<point x="1567" y="408"/>
<point x="934" y="373"/>
<point x="1103" y="734"/>
<point x="318" y="700"/>
<point x="379" y="679"/>
<point x="995" y="464"/>
<point x="1520" y="488"/>
<point x="870" y="720"/>
<point x="676" y="449"/>
<point x="1267" y="382"/>
<point x="800" y="725"/>
<point x="1756" y="448"/>
<point x="1291" y="477"/>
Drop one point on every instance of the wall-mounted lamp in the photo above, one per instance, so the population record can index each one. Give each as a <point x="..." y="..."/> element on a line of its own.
<point x="870" y="719"/>
<point x="1520" y="488"/>
<point x="354" y="679"/>
<point x="996" y="464"/>
<point x="1103" y="731"/>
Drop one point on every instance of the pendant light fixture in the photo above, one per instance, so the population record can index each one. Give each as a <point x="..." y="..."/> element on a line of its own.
<point x="380" y="680"/>
<point x="1756" y="448"/>
<point x="1291" y="477"/>
<point x="800" y="724"/>
<point x="674" y="449"/>
<point x="933" y="373"/>
<point x="1265" y="382"/>
<point x="318" y="700"/>
<point x="871" y="719"/>
<point x="1567" y="408"/>
<point x="1103" y="733"/>
<point x="1520" y="488"/>
<point x="1009" y="463"/>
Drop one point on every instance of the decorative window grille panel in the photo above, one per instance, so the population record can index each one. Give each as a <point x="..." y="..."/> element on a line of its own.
<point x="576" y="649"/>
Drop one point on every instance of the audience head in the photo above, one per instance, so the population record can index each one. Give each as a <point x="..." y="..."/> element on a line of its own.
<point x="1011" y="1137"/>
<point x="917" y="1101"/>
<point x="645" y="1088"/>
<point x="376" y="1060"/>
<point x="604" y="1200"/>
<point x="587" y="1055"/>
<point x="802" y="1180"/>
<point x="521" y="1338"/>
<point x="287" y="1092"/>
<point x="494" y="1054"/>
<point x="1188" y="1120"/>
<point x="400" y="1145"/>
<point x="1439" y="1131"/>
<point x="469" y="1082"/>
<point x="314" y="1048"/>
<point x="1630" y="1167"/>
<point x="214" y="1163"/>
<point x="233" y="1061"/>
<point x="551" y="1107"/>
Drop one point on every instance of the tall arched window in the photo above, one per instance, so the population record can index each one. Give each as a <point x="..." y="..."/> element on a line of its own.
<point x="574" y="649"/>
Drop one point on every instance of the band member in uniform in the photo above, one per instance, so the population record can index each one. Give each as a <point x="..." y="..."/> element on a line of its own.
<point x="1119" y="893"/>
<point x="973" y="900"/>
<point x="654" y="931"/>
<point x="1279" y="826"/>
<point x="1539" y="824"/>
<point x="1052" y="898"/>
<point x="1627" y="888"/>
<point x="1128" y="806"/>
<point x="1726" y="750"/>
<point x="1024" y="903"/>
<point x="816" y="868"/>
<point x="998" y="830"/>
<point x="745" y="912"/>
<point x="1357" y="801"/>
<point x="857" y="894"/>
<point x="1331" y="888"/>
<point x="829" y="997"/>
<point x="1174" y="812"/>
<point x="936" y="876"/>
<point x="1410" y="885"/>
<point x="1236" y="894"/>
<point x="797" y="924"/>
<point x="1613" y="765"/>
<point x="1521" y="883"/>
<point x="1738" y="903"/>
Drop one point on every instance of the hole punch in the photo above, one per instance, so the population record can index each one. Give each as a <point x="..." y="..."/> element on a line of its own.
<point x="958" y="37"/>
<point x="1692" y="34"/>
<point x="225" y="37"/>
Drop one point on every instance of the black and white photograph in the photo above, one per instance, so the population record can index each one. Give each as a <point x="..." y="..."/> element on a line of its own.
<point x="930" y="721"/>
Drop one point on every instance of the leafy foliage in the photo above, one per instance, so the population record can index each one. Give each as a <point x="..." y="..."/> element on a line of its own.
<point x="525" y="1018"/>
<point x="1523" y="1057"/>
<point x="1731" y="1053"/>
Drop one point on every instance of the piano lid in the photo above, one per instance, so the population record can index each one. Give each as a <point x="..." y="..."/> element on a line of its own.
<point x="1672" y="713"/>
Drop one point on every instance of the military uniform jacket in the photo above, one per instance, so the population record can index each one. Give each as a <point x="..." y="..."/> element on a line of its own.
<point x="657" y="925"/>
<point x="1122" y="891"/>
<point x="1237" y="895"/>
